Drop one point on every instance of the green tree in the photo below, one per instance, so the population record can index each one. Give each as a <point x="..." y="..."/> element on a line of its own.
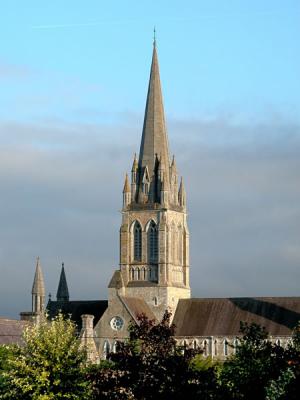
<point x="50" y="364"/>
<point x="6" y="352"/>
<point x="260" y="370"/>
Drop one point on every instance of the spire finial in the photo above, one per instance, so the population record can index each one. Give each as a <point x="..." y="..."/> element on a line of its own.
<point x="154" y="37"/>
<point x="126" y="185"/>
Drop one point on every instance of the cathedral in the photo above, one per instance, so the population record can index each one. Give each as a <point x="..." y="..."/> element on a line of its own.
<point x="154" y="273"/>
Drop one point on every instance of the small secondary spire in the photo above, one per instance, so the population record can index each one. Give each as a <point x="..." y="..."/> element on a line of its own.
<point x="38" y="289"/>
<point x="62" y="291"/>
<point x="38" y="286"/>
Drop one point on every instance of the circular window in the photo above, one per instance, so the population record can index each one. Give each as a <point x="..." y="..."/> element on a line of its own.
<point x="116" y="323"/>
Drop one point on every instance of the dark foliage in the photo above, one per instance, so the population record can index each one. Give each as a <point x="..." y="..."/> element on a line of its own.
<point x="150" y="366"/>
<point x="260" y="368"/>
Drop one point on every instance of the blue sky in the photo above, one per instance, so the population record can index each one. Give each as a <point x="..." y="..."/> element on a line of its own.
<point x="230" y="57"/>
<point x="73" y="79"/>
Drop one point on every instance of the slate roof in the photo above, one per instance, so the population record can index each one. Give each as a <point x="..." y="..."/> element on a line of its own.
<point x="213" y="317"/>
<point x="76" y="308"/>
<point x="11" y="331"/>
<point x="137" y="306"/>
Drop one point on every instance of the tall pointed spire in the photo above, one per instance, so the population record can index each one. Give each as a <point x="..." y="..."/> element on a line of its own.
<point x="38" y="289"/>
<point x="62" y="291"/>
<point x="154" y="137"/>
<point x="38" y="286"/>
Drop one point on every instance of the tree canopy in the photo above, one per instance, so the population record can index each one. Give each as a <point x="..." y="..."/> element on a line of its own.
<point x="49" y="365"/>
<point x="149" y="365"/>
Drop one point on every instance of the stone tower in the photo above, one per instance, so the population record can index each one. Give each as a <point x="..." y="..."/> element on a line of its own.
<point x="154" y="237"/>
<point x="38" y="290"/>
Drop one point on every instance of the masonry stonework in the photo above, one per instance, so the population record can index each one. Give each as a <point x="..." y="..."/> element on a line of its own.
<point x="153" y="275"/>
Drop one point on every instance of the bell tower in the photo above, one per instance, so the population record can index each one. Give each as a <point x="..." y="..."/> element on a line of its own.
<point x="154" y="236"/>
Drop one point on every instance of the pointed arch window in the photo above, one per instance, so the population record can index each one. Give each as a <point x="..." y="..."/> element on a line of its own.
<point x="226" y="347"/>
<point x="115" y="347"/>
<point x="205" y="348"/>
<point x="131" y="272"/>
<point x="183" y="346"/>
<point x="216" y="347"/>
<point x="235" y="345"/>
<point x="106" y="348"/>
<point x="153" y="243"/>
<point x="137" y="242"/>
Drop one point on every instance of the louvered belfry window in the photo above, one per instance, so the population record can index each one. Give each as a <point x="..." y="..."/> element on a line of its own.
<point x="137" y="242"/>
<point x="153" y="243"/>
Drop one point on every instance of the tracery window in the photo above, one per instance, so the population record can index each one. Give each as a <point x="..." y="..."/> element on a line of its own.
<point x="137" y="242"/>
<point x="153" y="243"/>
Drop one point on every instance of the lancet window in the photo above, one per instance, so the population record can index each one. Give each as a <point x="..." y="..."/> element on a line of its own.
<point x="137" y="242"/>
<point x="153" y="243"/>
<point x="205" y="348"/>
<point x="106" y="348"/>
<point x="179" y="234"/>
<point x="225" y="347"/>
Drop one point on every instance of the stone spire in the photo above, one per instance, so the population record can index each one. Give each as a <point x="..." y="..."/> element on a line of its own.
<point x="154" y="238"/>
<point x="62" y="291"/>
<point x="38" y="289"/>
<point x="154" y="137"/>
